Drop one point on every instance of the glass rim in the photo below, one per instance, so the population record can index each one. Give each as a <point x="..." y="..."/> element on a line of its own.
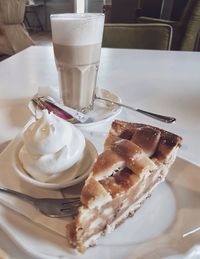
<point x="76" y="16"/>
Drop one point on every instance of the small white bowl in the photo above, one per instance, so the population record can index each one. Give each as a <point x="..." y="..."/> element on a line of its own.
<point x="82" y="167"/>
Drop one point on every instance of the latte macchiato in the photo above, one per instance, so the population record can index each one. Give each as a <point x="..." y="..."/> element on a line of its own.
<point x="77" y="48"/>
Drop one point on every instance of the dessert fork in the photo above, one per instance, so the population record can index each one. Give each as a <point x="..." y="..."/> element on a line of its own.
<point x="55" y="208"/>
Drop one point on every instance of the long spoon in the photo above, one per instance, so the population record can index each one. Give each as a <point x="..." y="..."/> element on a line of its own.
<point x="159" y="117"/>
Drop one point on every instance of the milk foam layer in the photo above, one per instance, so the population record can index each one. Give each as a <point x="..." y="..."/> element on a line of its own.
<point x="51" y="146"/>
<point x="77" y="29"/>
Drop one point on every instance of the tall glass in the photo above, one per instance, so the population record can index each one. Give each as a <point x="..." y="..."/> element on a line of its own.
<point x="77" y="40"/>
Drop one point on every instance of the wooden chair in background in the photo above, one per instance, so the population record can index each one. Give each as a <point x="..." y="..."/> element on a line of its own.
<point x="31" y="17"/>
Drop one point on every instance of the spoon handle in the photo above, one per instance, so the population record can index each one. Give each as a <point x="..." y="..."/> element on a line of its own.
<point x="156" y="116"/>
<point x="159" y="117"/>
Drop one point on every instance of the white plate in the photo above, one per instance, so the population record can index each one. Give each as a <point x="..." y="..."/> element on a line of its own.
<point x="156" y="230"/>
<point x="81" y="169"/>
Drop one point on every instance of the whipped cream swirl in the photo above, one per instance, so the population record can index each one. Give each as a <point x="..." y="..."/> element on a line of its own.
<point x="51" y="146"/>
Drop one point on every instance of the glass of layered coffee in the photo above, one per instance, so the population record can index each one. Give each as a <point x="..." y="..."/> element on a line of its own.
<point x="77" y="42"/>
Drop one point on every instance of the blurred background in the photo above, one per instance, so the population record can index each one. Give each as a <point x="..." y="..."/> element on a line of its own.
<point x="174" y="22"/>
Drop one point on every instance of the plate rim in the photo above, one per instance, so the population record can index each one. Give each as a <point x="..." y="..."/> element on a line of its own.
<point x="26" y="248"/>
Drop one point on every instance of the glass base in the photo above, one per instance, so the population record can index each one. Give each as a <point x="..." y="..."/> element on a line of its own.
<point x="86" y="109"/>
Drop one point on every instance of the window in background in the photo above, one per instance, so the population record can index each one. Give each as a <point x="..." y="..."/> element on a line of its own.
<point x="79" y="6"/>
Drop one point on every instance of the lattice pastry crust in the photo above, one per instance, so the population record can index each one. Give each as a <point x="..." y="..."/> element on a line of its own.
<point x="136" y="158"/>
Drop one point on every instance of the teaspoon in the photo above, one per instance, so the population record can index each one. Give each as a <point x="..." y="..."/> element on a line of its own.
<point x="159" y="117"/>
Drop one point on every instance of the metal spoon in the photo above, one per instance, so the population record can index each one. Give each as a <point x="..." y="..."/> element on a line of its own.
<point x="159" y="117"/>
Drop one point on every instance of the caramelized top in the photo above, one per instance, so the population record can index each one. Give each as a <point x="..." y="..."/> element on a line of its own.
<point x="132" y="151"/>
<point x="155" y="142"/>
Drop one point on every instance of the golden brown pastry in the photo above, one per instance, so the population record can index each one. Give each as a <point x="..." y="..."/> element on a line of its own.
<point x="135" y="160"/>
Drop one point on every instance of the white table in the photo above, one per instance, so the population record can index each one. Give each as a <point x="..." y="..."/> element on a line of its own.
<point x="159" y="81"/>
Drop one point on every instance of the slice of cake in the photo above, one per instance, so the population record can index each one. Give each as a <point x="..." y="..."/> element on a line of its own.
<point x="135" y="160"/>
